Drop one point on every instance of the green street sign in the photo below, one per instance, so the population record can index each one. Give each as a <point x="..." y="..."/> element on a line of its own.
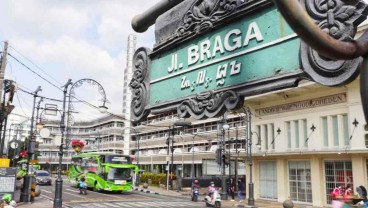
<point x="211" y="54"/>
<point x="253" y="48"/>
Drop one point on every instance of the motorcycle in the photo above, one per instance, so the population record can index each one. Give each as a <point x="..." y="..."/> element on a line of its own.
<point x="195" y="194"/>
<point x="83" y="188"/>
<point x="215" y="201"/>
<point x="11" y="204"/>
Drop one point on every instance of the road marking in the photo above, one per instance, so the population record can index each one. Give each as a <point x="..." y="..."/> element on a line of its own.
<point x="111" y="205"/>
<point x="126" y="204"/>
<point x="77" y="195"/>
<point x="99" y="205"/>
<point x="46" y="191"/>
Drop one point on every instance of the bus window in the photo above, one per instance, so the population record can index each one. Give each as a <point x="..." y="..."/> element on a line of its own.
<point x="118" y="159"/>
<point x="119" y="174"/>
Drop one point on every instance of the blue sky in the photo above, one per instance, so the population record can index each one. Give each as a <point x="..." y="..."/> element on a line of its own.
<point x="61" y="39"/>
<point x="70" y="39"/>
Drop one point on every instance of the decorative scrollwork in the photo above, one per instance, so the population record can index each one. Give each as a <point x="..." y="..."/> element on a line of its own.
<point x="203" y="13"/>
<point x="340" y="21"/>
<point x="140" y="84"/>
<point x="209" y="104"/>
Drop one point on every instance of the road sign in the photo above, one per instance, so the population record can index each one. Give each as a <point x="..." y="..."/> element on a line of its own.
<point x="208" y="57"/>
<point x="7" y="181"/>
<point x="236" y="54"/>
<point x="4" y="163"/>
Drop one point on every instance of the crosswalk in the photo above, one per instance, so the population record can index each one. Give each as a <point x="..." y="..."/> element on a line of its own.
<point x="139" y="204"/>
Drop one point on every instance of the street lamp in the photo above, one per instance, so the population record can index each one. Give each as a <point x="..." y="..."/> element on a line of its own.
<point x="224" y="126"/>
<point x="249" y="127"/>
<point x="137" y="138"/>
<point x="59" y="181"/>
<point x="30" y="149"/>
<point x="248" y="145"/>
<point x="192" y="171"/>
<point x="171" y="132"/>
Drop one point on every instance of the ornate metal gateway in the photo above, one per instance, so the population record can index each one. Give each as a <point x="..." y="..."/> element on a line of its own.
<point x="210" y="54"/>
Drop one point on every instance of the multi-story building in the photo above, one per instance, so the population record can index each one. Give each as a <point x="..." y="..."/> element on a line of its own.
<point x="306" y="138"/>
<point x="104" y="135"/>
<point x="18" y="128"/>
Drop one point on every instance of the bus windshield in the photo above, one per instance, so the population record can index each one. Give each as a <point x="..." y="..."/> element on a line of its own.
<point x="119" y="174"/>
<point x="117" y="159"/>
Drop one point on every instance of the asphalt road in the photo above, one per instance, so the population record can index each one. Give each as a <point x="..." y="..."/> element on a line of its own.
<point x="133" y="199"/>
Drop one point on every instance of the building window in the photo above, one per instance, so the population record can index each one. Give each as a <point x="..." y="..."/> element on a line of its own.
<point x="305" y="132"/>
<point x="325" y="131"/>
<point x="337" y="173"/>
<point x="265" y="132"/>
<point x="366" y="140"/>
<point x="296" y="131"/>
<point x="268" y="180"/>
<point x="300" y="181"/>
<point x="346" y="129"/>
<point x="288" y="128"/>
<point x="335" y="130"/>
<point x="296" y="134"/>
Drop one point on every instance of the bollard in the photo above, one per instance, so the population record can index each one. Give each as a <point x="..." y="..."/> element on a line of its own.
<point x="33" y="191"/>
<point x="145" y="185"/>
<point x="288" y="204"/>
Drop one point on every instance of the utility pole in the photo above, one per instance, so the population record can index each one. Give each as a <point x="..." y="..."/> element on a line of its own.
<point x="2" y="66"/>
<point x="2" y="72"/>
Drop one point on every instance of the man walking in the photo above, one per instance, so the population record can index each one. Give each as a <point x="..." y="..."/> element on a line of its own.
<point x="232" y="188"/>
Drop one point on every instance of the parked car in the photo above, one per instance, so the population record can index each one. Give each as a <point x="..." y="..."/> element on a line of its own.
<point x="43" y="177"/>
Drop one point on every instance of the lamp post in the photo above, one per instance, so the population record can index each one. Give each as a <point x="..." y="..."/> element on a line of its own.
<point x="70" y="120"/>
<point x="248" y="148"/>
<point x="59" y="181"/>
<point x="30" y="149"/>
<point x="224" y="126"/>
<point x="137" y="180"/>
<point x="251" y="185"/>
<point x="181" y="124"/>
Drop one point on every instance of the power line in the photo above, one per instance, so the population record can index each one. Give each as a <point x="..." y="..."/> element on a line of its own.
<point x="34" y="72"/>
<point x="35" y="65"/>
<point x="21" y="105"/>
<point x="56" y="100"/>
<point x="30" y="93"/>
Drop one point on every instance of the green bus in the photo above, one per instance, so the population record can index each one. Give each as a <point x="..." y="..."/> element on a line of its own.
<point x="106" y="171"/>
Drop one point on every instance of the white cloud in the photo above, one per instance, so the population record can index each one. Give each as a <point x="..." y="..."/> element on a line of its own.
<point x="71" y="39"/>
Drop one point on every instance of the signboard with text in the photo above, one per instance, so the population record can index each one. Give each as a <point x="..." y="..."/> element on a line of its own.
<point x="233" y="55"/>
<point x="209" y="55"/>
<point x="7" y="180"/>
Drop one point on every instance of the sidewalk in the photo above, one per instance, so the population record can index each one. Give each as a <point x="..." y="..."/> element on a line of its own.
<point x="39" y="202"/>
<point x="225" y="203"/>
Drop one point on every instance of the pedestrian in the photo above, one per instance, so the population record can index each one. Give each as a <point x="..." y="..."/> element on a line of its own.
<point x="240" y="190"/>
<point x="232" y="188"/>
<point x="348" y="191"/>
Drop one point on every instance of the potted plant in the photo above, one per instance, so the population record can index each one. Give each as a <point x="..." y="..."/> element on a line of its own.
<point x="77" y="146"/>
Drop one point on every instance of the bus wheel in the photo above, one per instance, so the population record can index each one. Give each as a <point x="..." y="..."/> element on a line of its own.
<point x="95" y="188"/>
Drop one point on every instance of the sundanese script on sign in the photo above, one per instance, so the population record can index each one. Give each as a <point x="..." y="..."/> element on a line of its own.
<point x="232" y="55"/>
